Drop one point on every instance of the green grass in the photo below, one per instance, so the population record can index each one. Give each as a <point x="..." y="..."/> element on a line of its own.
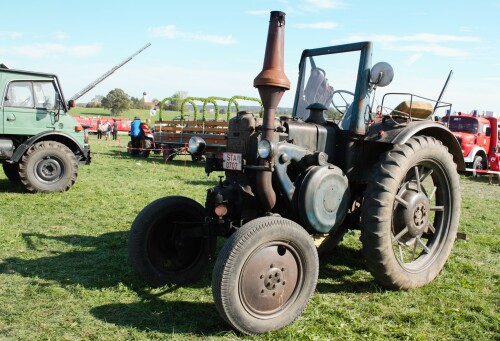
<point x="64" y="273"/>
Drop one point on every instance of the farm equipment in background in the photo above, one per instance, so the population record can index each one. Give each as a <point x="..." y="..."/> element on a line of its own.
<point x="173" y="136"/>
<point x="291" y="180"/>
<point x="146" y="144"/>
<point x="477" y="137"/>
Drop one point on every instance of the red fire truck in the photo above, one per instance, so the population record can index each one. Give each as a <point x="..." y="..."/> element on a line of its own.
<point x="93" y="122"/>
<point x="477" y="136"/>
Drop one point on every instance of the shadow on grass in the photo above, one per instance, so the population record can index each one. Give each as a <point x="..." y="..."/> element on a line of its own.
<point x="100" y="262"/>
<point x="346" y="271"/>
<point x="96" y="262"/>
<point x="114" y="151"/>
<point x="153" y="314"/>
<point x="7" y="186"/>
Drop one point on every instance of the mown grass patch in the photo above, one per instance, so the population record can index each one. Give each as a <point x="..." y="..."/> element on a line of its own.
<point x="64" y="272"/>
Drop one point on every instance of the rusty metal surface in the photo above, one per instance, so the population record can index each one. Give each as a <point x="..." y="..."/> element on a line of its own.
<point x="269" y="279"/>
<point x="273" y="72"/>
<point x="272" y="84"/>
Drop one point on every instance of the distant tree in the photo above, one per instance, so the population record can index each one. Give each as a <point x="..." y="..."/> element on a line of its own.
<point x="175" y="104"/>
<point x="95" y="102"/>
<point x="97" y="98"/>
<point x="333" y="114"/>
<point x="93" y="105"/>
<point x="117" y="101"/>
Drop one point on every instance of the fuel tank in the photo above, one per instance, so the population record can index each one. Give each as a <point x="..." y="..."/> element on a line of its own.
<point x="313" y="137"/>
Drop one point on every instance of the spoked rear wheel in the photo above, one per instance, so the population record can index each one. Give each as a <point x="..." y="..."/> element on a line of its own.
<point x="410" y="214"/>
<point x="168" y="243"/>
<point x="265" y="275"/>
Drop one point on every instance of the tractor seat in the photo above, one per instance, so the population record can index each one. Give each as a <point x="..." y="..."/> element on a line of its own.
<point x="415" y="109"/>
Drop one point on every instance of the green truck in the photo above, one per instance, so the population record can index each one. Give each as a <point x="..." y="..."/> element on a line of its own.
<point x="41" y="145"/>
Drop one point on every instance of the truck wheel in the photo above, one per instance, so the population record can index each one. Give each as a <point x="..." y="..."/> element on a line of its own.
<point x="410" y="214"/>
<point x="477" y="165"/>
<point x="265" y="275"/>
<point x="11" y="171"/>
<point x="48" y="166"/>
<point x="167" y="243"/>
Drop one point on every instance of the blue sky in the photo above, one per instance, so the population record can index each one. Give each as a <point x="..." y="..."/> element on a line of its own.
<point x="216" y="48"/>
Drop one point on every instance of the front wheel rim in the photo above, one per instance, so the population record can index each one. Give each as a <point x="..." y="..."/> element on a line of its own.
<point x="48" y="169"/>
<point x="271" y="279"/>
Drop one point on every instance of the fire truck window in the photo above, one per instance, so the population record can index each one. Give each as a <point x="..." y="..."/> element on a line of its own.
<point x="464" y="124"/>
<point x="19" y="94"/>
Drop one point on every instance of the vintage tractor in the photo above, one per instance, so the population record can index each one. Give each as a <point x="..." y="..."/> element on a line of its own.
<point x="291" y="180"/>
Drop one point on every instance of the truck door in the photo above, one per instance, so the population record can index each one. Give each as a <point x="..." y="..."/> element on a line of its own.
<point x="484" y="136"/>
<point x="29" y="107"/>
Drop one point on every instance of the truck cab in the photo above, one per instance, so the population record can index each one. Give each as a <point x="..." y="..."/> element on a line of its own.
<point x="477" y="137"/>
<point x="41" y="145"/>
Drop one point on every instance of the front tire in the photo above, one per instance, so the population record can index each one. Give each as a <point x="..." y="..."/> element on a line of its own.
<point x="168" y="244"/>
<point x="265" y="275"/>
<point x="478" y="164"/>
<point x="48" y="166"/>
<point x="410" y="214"/>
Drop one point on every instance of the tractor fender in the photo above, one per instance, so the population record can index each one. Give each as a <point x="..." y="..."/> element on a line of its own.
<point x="393" y="133"/>
<point x="68" y="140"/>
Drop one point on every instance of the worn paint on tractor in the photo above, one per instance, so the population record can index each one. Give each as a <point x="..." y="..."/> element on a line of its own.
<point x="290" y="181"/>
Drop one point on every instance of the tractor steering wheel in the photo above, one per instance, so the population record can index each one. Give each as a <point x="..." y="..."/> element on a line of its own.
<point x="342" y="94"/>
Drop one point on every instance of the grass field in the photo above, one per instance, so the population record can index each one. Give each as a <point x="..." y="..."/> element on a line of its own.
<point x="64" y="273"/>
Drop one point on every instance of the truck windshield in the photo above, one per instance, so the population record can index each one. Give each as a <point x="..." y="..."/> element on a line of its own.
<point x="462" y="124"/>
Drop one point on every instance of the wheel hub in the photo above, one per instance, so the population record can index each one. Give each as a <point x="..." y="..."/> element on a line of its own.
<point x="273" y="277"/>
<point x="48" y="169"/>
<point x="269" y="279"/>
<point x="416" y="216"/>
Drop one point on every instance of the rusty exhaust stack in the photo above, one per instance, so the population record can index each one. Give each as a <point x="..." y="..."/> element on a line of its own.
<point x="272" y="84"/>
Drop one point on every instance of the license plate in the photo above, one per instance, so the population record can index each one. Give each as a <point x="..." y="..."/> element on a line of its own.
<point x="232" y="161"/>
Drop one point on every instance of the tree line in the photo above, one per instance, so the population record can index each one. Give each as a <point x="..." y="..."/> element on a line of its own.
<point x="117" y="101"/>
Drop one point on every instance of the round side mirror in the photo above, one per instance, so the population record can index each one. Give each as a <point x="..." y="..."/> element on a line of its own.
<point x="382" y="74"/>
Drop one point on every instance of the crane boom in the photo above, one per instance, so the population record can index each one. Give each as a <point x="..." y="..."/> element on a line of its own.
<point x="107" y="74"/>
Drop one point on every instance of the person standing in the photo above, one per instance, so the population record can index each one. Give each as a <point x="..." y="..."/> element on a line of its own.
<point x="494" y="160"/>
<point x="135" y="135"/>
<point x="100" y="128"/>
<point x="114" y="129"/>
<point x="107" y="130"/>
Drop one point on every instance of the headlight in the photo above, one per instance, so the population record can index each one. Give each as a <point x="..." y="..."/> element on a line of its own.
<point x="196" y="145"/>
<point x="265" y="149"/>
